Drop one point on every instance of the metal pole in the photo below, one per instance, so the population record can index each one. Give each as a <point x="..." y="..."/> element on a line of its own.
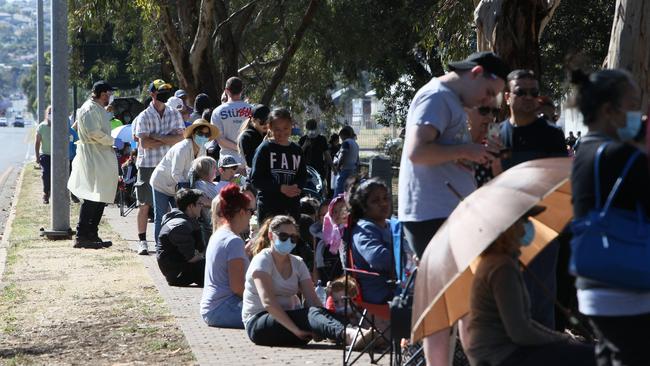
<point x="60" y="198"/>
<point x="40" y="63"/>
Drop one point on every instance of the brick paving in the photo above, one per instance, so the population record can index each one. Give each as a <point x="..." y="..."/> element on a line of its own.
<point x="216" y="346"/>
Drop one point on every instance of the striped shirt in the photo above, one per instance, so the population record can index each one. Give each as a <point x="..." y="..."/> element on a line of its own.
<point x="149" y="122"/>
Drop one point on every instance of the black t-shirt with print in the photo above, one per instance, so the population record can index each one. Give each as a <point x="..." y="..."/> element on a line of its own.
<point x="314" y="148"/>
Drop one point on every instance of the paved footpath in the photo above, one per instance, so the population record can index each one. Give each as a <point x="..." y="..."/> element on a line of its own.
<point x="217" y="346"/>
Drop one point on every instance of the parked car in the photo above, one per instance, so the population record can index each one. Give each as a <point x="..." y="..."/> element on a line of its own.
<point x="19" y="121"/>
<point x="3" y="122"/>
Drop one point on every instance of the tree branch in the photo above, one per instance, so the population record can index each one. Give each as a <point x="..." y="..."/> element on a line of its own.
<point x="281" y="70"/>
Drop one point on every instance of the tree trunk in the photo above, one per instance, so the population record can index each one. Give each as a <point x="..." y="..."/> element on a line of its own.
<point x="513" y="28"/>
<point x="629" y="45"/>
<point x="280" y="71"/>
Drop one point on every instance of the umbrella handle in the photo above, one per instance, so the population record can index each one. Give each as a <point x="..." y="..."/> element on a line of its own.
<point x="574" y="320"/>
<point x="454" y="191"/>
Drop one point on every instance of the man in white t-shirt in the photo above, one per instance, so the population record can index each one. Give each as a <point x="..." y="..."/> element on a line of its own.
<point x="229" y="117"/>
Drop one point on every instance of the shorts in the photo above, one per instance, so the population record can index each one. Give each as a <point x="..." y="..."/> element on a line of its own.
<point x="143" y="190"/>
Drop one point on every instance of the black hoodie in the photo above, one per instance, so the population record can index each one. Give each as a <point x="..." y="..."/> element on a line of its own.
<point x="179" y="237"/>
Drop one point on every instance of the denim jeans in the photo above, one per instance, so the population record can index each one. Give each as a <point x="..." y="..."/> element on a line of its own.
<point x="343" y="176"/>
<point x="161" y="204"/>
<point x="227" y="314"/>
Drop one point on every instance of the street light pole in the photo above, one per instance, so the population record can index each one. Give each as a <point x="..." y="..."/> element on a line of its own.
<point x="60" y="198"/>
<point x="40" y="63"/>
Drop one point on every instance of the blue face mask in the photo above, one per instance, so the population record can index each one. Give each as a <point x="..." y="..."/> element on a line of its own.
<point x="284" y="247"/>
<point x="632" y="126"/>
<point x="200" y="140"/>
<point x="529" y="234"/>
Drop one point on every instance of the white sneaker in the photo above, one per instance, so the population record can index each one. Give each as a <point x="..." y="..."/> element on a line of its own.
<point x="143" y="247"/>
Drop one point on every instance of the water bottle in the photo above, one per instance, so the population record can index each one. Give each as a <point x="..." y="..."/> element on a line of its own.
<point x="320" y="292"/>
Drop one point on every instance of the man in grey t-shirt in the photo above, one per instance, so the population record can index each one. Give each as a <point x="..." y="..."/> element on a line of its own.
<point x="438" y="149"/>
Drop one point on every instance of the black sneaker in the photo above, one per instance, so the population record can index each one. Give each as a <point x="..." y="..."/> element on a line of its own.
<point x="102" y="243"/>
<point x="86" y="243"/>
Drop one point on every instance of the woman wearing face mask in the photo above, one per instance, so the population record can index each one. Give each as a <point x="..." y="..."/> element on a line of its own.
<point x="610" y="102"/>
<point x="500" y="330"/>
<point x="253" y="132"/>
<point x="272" y="313"/>
<point x="172" y="172"/>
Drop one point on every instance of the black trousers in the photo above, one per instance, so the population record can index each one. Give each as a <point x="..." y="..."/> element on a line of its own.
<point x="622" y="340"/>
<point x="419" y="233"/>
<point x="90" y="214"/>
<point x="264" y="210"/>
<point x="264" y="330"/>
<point x="45" y="161"/>
<point x="184" y="274"/>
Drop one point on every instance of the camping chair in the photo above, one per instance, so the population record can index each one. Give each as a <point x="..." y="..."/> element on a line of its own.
<point x="126" y="199"/>
<point x="369" y="313"/>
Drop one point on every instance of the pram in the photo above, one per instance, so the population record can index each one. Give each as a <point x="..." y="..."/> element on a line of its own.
<point x="315" y="186"/>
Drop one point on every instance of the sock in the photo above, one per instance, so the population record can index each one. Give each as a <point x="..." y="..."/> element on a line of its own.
<point x="142" y="236"/>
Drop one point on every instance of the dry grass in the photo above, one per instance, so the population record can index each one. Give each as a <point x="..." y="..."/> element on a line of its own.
<point x="60" y="305"/>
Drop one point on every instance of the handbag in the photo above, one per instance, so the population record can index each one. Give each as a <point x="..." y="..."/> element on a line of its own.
<point x="612" y="245"/>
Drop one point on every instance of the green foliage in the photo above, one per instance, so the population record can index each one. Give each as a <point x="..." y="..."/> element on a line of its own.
<point x="578" y="26"/>
<point x="28" y="84"/>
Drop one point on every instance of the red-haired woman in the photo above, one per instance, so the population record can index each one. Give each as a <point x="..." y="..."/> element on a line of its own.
<point x="226" y="261"/>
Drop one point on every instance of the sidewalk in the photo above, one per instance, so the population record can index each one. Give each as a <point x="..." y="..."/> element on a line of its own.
<point x="216" y="346"/>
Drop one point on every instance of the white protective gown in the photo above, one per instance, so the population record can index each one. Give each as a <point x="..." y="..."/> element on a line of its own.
<point x="94" y="169"/>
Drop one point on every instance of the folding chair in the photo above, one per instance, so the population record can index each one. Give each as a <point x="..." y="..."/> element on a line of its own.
<point x="368" y="314"/>
<point x="124" y="194"/>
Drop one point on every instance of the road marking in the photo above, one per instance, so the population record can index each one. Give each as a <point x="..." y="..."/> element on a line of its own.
<point x="5" y="175"/>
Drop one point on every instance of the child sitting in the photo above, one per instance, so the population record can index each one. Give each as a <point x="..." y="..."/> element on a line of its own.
<point x="336" y="296"/>
<point x="228" y="167"/>
<point x="329" y="249"/>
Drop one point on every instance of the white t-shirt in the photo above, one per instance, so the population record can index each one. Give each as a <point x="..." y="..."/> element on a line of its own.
<point x="285" y="290"/>
<point x="228" y="117"/>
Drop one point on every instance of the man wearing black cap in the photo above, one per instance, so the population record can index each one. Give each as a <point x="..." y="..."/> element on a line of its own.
<point x="94" y="168"/>
<point x="438" y="152"/>
<point x="255" y="130"/>
<point x="158" y="127"/>
<point x="229" y="116"/>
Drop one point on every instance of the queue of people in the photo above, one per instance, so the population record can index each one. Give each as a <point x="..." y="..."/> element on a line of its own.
<point x="239" y="226"/>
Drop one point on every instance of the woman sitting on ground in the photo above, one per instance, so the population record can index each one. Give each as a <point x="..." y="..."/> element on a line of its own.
<point x="226" y="262"/>
<point x="272" y="314"/>
<point x="500" y="330"/>
<point x="372" y="240"/>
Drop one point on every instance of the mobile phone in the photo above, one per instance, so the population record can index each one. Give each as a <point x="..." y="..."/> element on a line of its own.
<point x="493" y="134"/>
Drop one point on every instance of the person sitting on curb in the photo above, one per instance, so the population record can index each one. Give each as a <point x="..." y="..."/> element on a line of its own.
<point x="180" y="245"/>
<point x="221" y="303"/>
<point x="272" y="314"/>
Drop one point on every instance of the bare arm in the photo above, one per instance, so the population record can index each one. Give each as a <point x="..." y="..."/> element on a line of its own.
<point x="264" y="286"/>
<point x="421" y="147"/>
<point x="307" y="289"/>
<point x="150" y="143"/>
<point x="171" y="139"/>
<point x="37" y="147"/>
<point x="226" y="144"/>
<point x="236" y="275"/>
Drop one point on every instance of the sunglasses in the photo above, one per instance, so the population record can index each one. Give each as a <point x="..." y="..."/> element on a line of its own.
<point x="284" y="236"/>
<point x="204" y="134"/>
<point x="522" y="92"/>
<point x="484" y="111"/>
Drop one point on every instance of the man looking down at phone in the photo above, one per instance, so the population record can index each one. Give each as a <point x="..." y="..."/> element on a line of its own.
<point x="530" y="137"/>
<point x="438" y="149"/>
